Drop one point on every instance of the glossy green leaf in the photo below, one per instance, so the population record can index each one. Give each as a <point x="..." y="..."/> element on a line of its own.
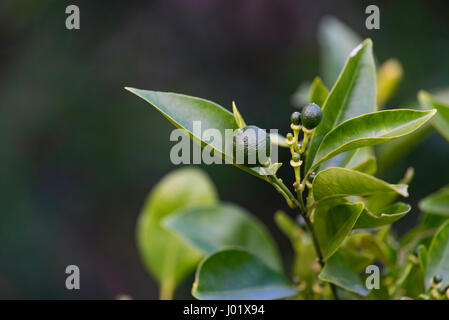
<point x="342" y="182"/>
<point x="212" y="228"/>
<point x="368" y="130"/>
<point x="436" y="203"/>
<point x="166" y="257"/>
<point x="340" y="272"/>
<point x="353" y="94"/>
<point x="389" y="76"/>
<point x="358" y="260"/>
<point x="182" y="111"/>
<point x="333" y="222"/>
<point x="318" y="92"/>
<point x="336" y="42"/>
<point x="441" y="119"/>
<point x="438" y="256"/>
<point x="239" y="275"/>
<point x="387" y="216"/>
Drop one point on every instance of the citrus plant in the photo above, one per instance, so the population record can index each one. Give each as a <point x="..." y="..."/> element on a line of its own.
<point x="340" y="220"/>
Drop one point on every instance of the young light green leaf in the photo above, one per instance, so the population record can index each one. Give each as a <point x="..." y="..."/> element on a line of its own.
<point x="212" y="228"/>
<point x="438" y="257"/>
<point x="353" y="94"/>
<point x="339" y="271"/>
<point x="318" y="92"/>
<point x="342" y="182"/>
<point x="389" y="215"/>
<point x="166" y="257"/>
<point x="183" y="111"/>
<point x="239" y="275"/>
<point x="422" y="257"/>
<point x="441" y="119"/>
<point x="301" y="96"/>
<point x="436" y="203"/>
<point x="336" y="42"/>
<point x="368" y="130"/>
<point x="333" y="222"/>
<point x="238" y="117"/>
<point x="286" y="224"/>
<point x="389" y="76"/>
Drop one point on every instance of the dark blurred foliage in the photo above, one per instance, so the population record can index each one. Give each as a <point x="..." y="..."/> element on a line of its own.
<point x="78" y="154"/>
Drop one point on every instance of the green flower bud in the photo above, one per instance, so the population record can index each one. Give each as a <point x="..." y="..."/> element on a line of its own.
<point x="311" y="116"/>
<point x="437" y="279"/>
<point x="311" y="176"/>
<point x="251" y="146"/>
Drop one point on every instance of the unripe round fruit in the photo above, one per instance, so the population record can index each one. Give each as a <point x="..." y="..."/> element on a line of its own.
<point x="295" y="118"/>
<point x="311" y="116"/>
<point x="253" y="145"/>
<point x="296" y="157"/>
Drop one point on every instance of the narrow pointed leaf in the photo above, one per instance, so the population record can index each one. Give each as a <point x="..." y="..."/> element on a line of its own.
<point x="368" y="130"/>
<point x="166" y="257"/>
<point x="422" y="257"/>
<point x="239" y="275"/>
<point x="342" y="182"/>
<point x="212" y="228"/>
<point x="238" y="117"/>
<point x="389" y="215"/>
<point x="353" y="94"/>
<point x="438" y="257"/>
<point x="436" y="203"/>
<point x="182" y="111"/>
<point x="333" y="222"/>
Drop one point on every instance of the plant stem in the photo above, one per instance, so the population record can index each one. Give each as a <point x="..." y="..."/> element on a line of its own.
<point x="284" y="191"/>
<point x="166" y="291"/>
<point x="296" y="203"/>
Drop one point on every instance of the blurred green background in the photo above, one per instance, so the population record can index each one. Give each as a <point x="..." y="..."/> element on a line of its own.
<point x="78" y="153"/>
